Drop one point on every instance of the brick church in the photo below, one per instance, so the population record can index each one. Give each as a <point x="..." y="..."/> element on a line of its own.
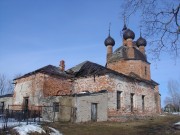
<point x="121" y="90"/>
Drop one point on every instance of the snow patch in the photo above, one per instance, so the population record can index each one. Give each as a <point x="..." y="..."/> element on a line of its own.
<point x="178" y="123"/>
<point x="55" y="132"/>
<point x="83" y="92"/>
<point x="162" y="115"/>
<point x="9" y="124"/>
<point x="25" y="129"/>
<point x="176" y="113"/>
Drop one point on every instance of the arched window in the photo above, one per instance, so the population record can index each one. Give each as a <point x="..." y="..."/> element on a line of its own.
<point x="143" y="103"/>
<point x="132" y="101"/>
<point x="118" y="100"/>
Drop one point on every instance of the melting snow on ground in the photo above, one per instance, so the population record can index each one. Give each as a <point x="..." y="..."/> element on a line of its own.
<point x="176" y="113"/>
<point x="25" y="129"/>
<point x="55" y="132"/>
<point x="178" y="123"/>
<point x="9" y="124"/>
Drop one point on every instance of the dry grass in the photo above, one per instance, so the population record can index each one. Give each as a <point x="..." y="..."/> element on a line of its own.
<point x="155" y="126"/>
<point x="161" y="125"/>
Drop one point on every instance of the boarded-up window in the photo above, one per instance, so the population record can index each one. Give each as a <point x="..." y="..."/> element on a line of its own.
<point x="143" y="103"/>
<point x="132" y="101"/>
<point x="118" y="100"/>
<point x="56" y="107"/>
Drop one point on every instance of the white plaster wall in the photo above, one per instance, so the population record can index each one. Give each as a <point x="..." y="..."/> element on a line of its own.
<point x="22" y="90"/>
<point x="47" y="112"/>
<point x="65" y="108"/>
<point x="7" y="101"/>
<point x="30" y="89"/>
<point x="83" y="104"/>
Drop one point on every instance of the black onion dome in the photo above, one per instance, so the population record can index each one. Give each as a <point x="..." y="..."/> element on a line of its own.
<point x="141" y="42"/>
<point x="128" y="34"/>
<point x="109" y="41"/>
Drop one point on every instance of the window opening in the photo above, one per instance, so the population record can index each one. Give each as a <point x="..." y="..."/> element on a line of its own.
<point x="143" y="103"/>
<point x="132" y="101"/>
<point x="118" y="100"/>
<point x="55" y="107"/>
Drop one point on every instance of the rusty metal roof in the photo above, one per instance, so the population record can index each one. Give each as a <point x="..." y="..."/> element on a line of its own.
<point x="83" y="69"/>
<point x="88" y="68"/>
<point x="49" y="69"/>
<point x="7" y="95"/>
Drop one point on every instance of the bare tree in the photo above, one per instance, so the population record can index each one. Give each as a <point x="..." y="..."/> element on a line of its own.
<point x="2" y="83"/>
<point x="174" y="94"/>
<point x="9" y="86"/>
<point x="17" y="75"/>
<point x="6" y="84"/>
<point x="160" y="21"/>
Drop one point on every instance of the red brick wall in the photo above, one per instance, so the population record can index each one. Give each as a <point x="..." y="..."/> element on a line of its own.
<point x="113" y="84"/>
<point x="38" y="86"/>
<point x="56" y="86"/>
<point x="31" y="87"/>
<point x="92" y="84"/>
<point x="128" y="66"/>
<point x="50" y="86"/>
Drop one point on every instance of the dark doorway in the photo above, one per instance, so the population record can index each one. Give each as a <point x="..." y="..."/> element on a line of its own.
<point x="94" y="112"/>
<point x="26" y="103"/>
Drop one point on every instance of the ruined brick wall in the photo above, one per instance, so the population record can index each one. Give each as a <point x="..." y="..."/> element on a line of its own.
<point x="127" y="66"/>
<point x="127" y="87"/>
<point x="114" y="83"/>
<point x="92" y="84"/>
<point x="31" y="86"/>
<point x="38" y="86"/>
<point x="83" y="104"/>
<point x="56" y="86"/>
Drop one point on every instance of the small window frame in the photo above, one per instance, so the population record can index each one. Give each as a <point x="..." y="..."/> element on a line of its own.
<point x="55" y="107"/>
<point x="143" y="103"/>
<point x="119" y="100"/>
<point x="132" y="101"/>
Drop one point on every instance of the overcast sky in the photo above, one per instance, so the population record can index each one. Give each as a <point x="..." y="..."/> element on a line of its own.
<point x="36" y="33"/>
